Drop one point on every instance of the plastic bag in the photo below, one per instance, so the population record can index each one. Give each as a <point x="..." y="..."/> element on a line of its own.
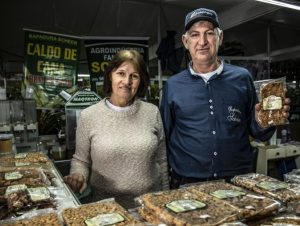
<point x="104" y="212"/>
<point x="272" y="97"/>
<point x="251" y="205"/>
<point x="268" y="186"/>
<point x="182" y="207"/>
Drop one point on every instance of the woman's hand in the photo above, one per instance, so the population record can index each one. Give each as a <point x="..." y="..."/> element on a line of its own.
<point x="76" y="181"/>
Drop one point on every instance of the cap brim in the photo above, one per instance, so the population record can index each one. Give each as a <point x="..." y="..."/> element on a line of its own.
<point x="189" y="24"/>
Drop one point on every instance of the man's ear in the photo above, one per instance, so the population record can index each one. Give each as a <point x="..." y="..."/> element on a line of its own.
<point x="221" y="38"/>
<point x="184" y="41"/>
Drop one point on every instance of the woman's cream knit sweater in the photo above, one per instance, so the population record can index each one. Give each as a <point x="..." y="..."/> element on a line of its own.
<point x="122" y="154"/>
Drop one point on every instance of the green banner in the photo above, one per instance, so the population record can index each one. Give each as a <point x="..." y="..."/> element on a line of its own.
<point x="51" y="65"/>
<point x="101" y="50"/>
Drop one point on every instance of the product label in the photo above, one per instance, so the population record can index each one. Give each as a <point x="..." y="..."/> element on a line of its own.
<point x="21" y="156"/>
<point x="38" y="194"/>
<point x="15" y="188"/>
<point x="13" y="175"/>
<point x="22" y="163"/>
<point x="224" y="194"/>
<point x="105" y="219"/>
<point x="183" y="205"/>
<point x="272" y="103"/>
<point x="272" y="185"/>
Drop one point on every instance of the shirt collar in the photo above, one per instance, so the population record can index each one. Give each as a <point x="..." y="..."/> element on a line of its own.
<point x="217" y="71"/>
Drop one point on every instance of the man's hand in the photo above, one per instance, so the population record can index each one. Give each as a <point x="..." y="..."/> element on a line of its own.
<point x="76" y="181"/>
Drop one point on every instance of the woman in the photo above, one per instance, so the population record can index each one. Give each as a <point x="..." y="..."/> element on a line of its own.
<point x="120" y="147"/>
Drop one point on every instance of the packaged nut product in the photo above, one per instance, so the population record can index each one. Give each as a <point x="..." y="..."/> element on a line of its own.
<point x="21" y="199"/>
<point x="272" y="95"/>
<point x="25" y="158"/>
<point x="29" y="177"/>
<point x="42" y="220"/>
<point x="269" y="186"/>
<point x="287" y="219"/>
<point x="278" y="220"/>
<point x="293" y="176"/>
<point x="251" y="205"/>
<point x="148" y="216"/>
<point x="28" y="198"/>
<point x="106" y="212"/>
<point x="181" y="207"/>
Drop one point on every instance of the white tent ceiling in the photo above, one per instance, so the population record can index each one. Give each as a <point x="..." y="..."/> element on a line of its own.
<point x="244" y="20"/>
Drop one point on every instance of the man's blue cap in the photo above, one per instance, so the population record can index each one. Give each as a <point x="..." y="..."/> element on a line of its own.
<point x="201" y="14"/>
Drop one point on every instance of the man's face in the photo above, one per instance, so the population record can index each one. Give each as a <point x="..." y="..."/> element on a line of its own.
<point x="202" y="41"/>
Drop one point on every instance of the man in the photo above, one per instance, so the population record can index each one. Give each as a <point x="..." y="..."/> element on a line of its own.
<point x="209" y="109"/>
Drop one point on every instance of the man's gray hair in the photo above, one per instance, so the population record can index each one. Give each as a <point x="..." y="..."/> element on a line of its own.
<point x="217" y="29"/>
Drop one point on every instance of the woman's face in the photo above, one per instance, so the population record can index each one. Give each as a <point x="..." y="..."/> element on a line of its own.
<point x="125" y="82"/>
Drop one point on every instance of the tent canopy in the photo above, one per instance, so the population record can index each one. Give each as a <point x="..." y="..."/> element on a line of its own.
<point x="244" y="20"/>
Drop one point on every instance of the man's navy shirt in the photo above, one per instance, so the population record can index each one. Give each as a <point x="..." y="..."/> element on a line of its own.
<point x="207" y="125"/>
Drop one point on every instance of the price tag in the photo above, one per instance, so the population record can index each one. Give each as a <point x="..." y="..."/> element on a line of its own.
<point x="38" y="194"/>
<point x="13" y="175"/>
<point x="15" y="188"/>
<point x="21" y="156"/>
<point x="105" y="219"/>
<point x="184" y="205"/>
<point x="272" y="185"/>
<point x="224" y="194"/>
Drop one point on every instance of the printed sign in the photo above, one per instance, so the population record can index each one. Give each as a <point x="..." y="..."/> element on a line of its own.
<point x="51" y="64"/>
<point x="100" y="50"/>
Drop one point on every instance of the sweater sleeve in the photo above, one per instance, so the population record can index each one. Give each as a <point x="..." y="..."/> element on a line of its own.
<point x="81" y="161"/>
<point x="162" y="157"/>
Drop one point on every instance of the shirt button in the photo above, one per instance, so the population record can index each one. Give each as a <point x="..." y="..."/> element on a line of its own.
<point x="215" y="175"/>
<point x="211" y="107"/>
<point x="207" y="83"/>
<point x="215" y="153"/>
<point x="210" y="101"/>
<point x="211" y="112"/>
<point x="213" y="132"/>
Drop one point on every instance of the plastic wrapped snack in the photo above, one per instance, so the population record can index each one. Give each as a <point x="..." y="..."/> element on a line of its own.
<point x="30" y="177"/>
<point x="272" y="96"/>
<point x="45" y="220"/>
<point x="105" y="212"/>
<point x="269" y="187"/>
<point x="148" y="216"/>
<point x="293" y="176"/>
<point x="279" y="220"/>
<point x="39" y="197"/>
<point x="181" y="207"/>
<point x="20" y="199"/>
<point x="293" y="208"/>
<point x="24" y="158"/>
<point x="251" y="205"/>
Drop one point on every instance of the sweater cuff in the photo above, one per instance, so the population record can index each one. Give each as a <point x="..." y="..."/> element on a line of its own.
<point x="79" y="167"/>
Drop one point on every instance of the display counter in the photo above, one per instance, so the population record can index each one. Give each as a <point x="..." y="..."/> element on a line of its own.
<point x="32" y="192"/>
<point x="30" y="184"/>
